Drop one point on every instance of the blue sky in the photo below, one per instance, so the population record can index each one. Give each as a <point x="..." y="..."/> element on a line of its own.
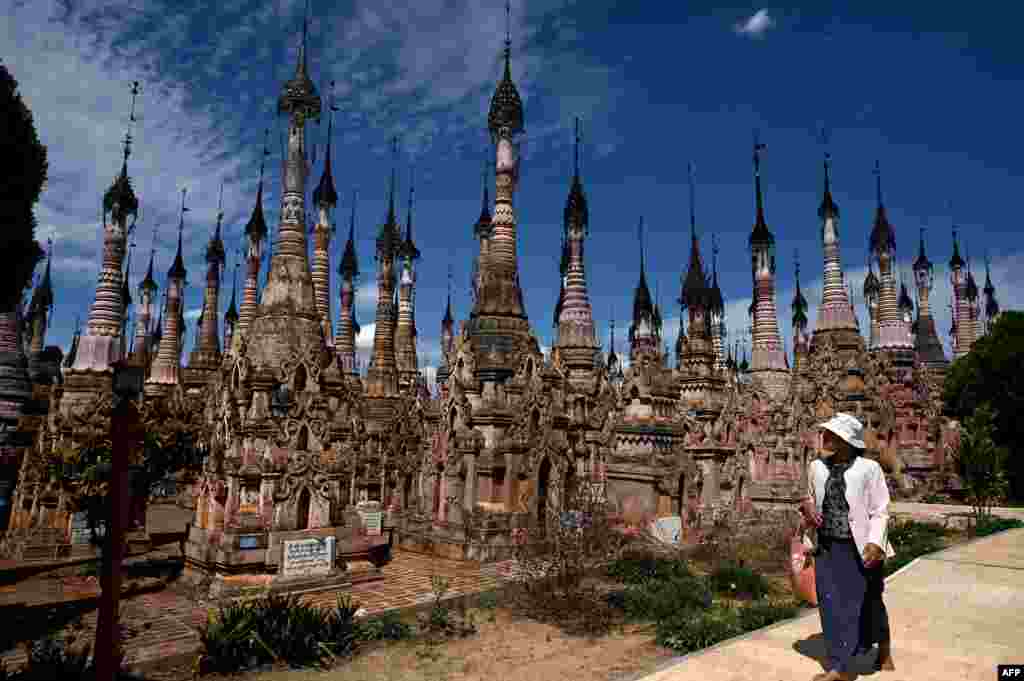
<point x="932" y="93"/>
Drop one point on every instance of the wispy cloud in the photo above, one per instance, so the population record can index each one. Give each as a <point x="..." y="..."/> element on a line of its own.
<point x="756" y="25"/>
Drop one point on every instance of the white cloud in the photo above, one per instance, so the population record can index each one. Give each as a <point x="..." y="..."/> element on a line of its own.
<point x="756" y="25"/>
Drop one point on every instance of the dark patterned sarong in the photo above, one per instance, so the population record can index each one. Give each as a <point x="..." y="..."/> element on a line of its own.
<point x="853" y="615"/>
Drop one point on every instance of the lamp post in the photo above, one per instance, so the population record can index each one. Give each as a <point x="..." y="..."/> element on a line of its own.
<point x="124" y="434"/>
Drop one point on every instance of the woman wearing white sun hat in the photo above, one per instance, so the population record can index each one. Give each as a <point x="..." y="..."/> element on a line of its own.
<point x="847" y="501"/>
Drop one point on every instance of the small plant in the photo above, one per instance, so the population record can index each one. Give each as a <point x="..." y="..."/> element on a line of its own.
<point x="981" y="463"/>
<point x="387" y="627"/>
<point x="734" y="580"/>
<point x="488" y="601"/>
<point x="440" y="622"/>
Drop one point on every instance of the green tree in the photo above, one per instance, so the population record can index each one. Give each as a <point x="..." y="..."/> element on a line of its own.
<point x="24" y="176"/>
<point x="981" y="463"/>
<point x="990" y="374"/>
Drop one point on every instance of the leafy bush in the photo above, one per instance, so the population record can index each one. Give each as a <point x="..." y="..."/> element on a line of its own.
<point x="762" y="613"/>
<point x="733" y="580"/>
<point x="696" y="630"/>
<point x="639" y="568"/>
<point x="276" y="628"/>
<point x="981" y="463"/>
<point x="660" y="600"/>
<point x="992" y="524"/>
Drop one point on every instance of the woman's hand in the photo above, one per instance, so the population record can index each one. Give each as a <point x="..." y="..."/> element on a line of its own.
<point x="873" y="555"/>
<point x="811" y="516"/>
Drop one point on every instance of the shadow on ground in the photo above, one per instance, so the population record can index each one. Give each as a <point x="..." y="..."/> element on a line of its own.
<point x="814" y="648"/>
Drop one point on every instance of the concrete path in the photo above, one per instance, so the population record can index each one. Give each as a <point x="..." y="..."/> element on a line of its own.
<point x="954" y="616"/>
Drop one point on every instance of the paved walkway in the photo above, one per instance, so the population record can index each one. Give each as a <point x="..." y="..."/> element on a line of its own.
<point x="954" y="616"/>
<point x="942" y="511"/>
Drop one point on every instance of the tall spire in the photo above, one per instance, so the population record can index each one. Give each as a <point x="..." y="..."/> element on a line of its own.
<point x="506" y="114"/>
<point x="926" y="337"/>
<point x="828" y="208"/>
<point x="101" y="345"/>
<point x="882" y="235"/>
<point x="206" y="353"/>
<point x="576" y="210"/>
<point x="41" y="307"/>
<point x="256" y="228"/>
<point x="576" y="336"/>
<point x="348" y="328"/>
<point x="325" y="196"/>
<point x="690" y="176"/>
<point x="643" y="332"/>
<point x="760" y="234"/>
<point x="405" y="330"/>
<point x="482" y="228"/>
<point x="167" y="365"/>
<point x="768" y="362"/>
<point x="799" y="302"/>
<point x="177" y="270"/>
<point x="836" y="319"/>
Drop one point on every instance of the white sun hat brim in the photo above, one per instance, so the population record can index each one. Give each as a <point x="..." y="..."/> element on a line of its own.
<point x="847" y="428"/>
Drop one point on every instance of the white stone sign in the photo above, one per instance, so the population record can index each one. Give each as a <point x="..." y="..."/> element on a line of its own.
<point x="667" y="530"/>
<point x="372" y="521"/>
<point x="308" y="557"/>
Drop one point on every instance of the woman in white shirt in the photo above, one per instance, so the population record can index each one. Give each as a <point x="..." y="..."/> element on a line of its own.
<point x="847" y="502"/>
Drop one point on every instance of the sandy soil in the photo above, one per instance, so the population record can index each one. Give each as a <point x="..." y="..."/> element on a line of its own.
<point x="503" y="648"/>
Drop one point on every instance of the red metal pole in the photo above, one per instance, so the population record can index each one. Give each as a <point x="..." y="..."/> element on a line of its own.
<point x="123" y="427"/>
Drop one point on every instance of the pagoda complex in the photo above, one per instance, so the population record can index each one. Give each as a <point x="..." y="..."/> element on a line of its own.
<point x="301" y="439"/>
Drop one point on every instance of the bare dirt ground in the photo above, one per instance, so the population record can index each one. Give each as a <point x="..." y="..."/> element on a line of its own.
<point x="503" y="648"/>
